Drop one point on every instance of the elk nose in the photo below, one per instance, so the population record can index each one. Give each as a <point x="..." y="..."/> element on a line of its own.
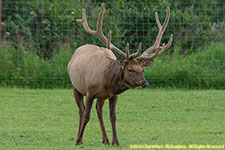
<point x="144" y="83"/>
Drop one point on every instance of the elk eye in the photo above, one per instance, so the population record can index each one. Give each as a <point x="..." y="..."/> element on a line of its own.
<point x="130" y="70"/>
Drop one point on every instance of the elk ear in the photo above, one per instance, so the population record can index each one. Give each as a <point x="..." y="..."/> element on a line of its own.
<point x="146" y="63"/>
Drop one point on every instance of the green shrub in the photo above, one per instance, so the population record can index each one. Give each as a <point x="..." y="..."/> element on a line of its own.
<point x="23" y="68"/>
<point x="41" y="26"/>
<point x="203" y="69"/>
<point x="45" y="26"/>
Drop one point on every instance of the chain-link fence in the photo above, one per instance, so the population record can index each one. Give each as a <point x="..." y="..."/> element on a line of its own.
<point x="39" y="36"/>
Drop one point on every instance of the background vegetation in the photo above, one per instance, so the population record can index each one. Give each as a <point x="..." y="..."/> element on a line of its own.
<point x="204" y="69"/>
<point x="39" y="37"/>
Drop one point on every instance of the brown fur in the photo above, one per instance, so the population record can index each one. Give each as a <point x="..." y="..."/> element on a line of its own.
<point x="114" y="77"/>
<point x="96" y="73"/>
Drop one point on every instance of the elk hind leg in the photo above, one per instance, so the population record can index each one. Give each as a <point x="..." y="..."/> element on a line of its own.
<point x="86" y="118"/>
<point x="80" y="103"/>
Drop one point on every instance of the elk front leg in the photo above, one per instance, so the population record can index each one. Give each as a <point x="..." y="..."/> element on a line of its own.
<point x="112" y="108"/>
<point x="99" y="106"/>
<point x="89" y="102"/>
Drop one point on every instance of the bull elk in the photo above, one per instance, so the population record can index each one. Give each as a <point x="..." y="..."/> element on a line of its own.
<point x="95" y="72"/>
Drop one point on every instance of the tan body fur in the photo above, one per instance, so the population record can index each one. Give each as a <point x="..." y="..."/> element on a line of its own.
<point x="86" y="70"/>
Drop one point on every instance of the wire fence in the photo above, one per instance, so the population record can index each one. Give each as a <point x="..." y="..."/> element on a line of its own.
<point x="34" y="31"/>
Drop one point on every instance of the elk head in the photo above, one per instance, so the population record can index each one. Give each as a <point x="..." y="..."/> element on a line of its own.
<point x="133" y="65"/>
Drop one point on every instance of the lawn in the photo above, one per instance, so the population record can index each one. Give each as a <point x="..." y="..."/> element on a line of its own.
<point x="45" y="119"/>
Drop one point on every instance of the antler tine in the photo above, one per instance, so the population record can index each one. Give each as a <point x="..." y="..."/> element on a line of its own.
<point x="100" y="19"/>
<point x="109" y="40"/>
<point x="167" y="45"/>
<point x="170" y="41"/>
<point x="84" y="23"/>
<point x="98" y="33"/>
<point x="167" y="19"/>
<point x="157" y="20"/>
<point x="161" y="28"/>
<point x="127" y="51"/>
<point x="138" y="53"/>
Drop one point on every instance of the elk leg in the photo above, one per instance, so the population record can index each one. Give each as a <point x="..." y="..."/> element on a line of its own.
<point x="89" y="102"/>
<point x="112" y="108"/>
<point x="99" y="106"/>
<point x="80" y="103"/>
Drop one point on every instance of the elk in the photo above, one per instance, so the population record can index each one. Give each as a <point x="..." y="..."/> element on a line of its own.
<point x="96" y="73"/>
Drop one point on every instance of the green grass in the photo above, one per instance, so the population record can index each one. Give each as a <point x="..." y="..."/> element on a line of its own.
<point x="48" y="119"/>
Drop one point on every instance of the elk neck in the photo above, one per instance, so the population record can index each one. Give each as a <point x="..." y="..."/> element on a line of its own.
<point x="114" y="77"/>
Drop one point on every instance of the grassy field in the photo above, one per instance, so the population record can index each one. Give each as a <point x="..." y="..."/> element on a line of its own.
<point x="48" y="119"/>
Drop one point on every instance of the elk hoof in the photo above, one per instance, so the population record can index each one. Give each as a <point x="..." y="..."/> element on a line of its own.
<point x="78" y="142"/>
<point x="105" y="141"/>
<point x="115" y="142"/>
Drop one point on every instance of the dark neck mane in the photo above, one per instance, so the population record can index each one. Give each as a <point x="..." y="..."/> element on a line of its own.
<point x="114" y="77"/>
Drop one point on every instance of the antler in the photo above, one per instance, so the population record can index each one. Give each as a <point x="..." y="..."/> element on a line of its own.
<point x="156" y="49"/>
<point x="99" y="34"/>
<point x="138" y="53"/>
<point x="148" y="54"/>
<point x="109" y="40"/>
